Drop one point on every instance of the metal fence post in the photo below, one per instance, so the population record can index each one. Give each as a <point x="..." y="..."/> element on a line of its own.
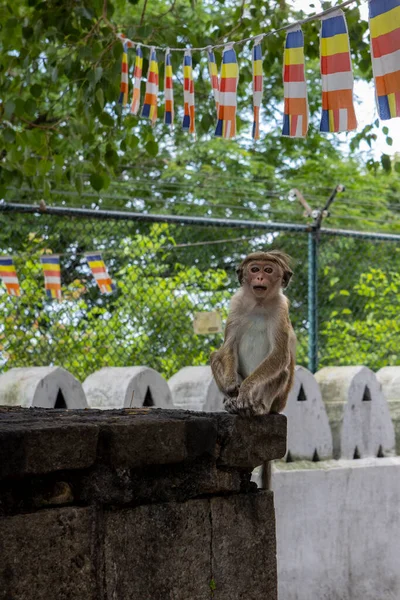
<point x="312" y="301"/>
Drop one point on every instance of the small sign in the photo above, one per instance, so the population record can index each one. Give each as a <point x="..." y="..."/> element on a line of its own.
<point x="207" y="322"/>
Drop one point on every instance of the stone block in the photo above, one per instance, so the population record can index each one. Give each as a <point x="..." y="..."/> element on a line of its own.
<point x="244" y="547"/>
<point x="41" y="447"/>
<point x="358" y="412"/>
<point x="46" y="387"/>
<point x="309" y="432"/>
<point x="389" y="378"/>
<point x="48" y="555"/>
<point x="127" y="387"/>
<point x="159" y="552"/>
<point x="247" y="442"/>
<point x="194" y="388"/>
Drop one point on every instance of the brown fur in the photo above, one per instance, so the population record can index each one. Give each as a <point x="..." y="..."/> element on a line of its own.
<point x="257" y="326"/>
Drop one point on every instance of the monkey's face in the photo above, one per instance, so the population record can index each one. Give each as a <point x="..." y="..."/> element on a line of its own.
<point x="264" y="278"/>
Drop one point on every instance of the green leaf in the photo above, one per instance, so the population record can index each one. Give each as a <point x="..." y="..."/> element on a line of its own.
<point x="106" y="119"/>
<point x="36" y="90"/>
<point x="152" y="148"/>
<point x="98" y="72"/>
<point x="100" y="97"/>
<point x="385" y="130"/>
<point x="29" y="167"/>
<point x="9" y="108"/>
<point x="44" y="166"/>
<point x="96" y="181"/>
<point x="386" y="163"/>
<point x="389" y="141"/>
<point x="9" y="135"/>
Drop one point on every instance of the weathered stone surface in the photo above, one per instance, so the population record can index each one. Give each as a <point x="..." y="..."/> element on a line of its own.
<point x="127" y="387"/>
<point x="194" y="388"/>
<point x="41" y="386"/>
<point x="249" y="442"/>
<point x="34" y="447"/>
<point x="159" y="552"/>
<point x="309" y="432"/>
<point x="244" y="547"/>
<point x="48" y="555"/>
<point x="358" y="412"/>
<point x="42" y="441"/>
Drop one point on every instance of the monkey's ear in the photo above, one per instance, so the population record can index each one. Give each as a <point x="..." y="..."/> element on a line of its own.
<point x="239" y="273"/>
<point x="287" y="276"/>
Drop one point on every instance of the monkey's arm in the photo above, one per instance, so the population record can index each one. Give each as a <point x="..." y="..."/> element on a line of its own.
<point x="224" y="364"/>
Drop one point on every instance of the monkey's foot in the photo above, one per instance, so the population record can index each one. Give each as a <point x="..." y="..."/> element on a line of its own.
<point x="236" y="408"/>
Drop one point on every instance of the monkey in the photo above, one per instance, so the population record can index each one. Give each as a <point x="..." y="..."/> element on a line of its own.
<point x="254" y="368"/>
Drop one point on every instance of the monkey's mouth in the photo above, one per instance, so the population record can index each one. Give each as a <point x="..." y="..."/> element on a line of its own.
<point x="261" y="288"/>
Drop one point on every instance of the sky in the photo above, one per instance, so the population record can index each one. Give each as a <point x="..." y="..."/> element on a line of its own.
<point x="366" y="109"/>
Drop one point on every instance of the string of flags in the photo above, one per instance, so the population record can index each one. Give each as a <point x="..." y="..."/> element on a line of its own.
<point x="337" y="114"/>
<point x="52" y="274"/>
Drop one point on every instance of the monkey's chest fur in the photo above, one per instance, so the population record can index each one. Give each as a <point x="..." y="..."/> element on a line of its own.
<point x="254" y="342"/>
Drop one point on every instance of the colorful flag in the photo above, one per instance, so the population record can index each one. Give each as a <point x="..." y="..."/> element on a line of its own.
<point x="213" y="71"/>
<point x="257" y="86"/>
<point x="9" y="276"/>
<point x="337" y="76"/>
<point x="226" y="126"/>
<point x="168" y="90"/>
<point x="188" y="93"/>
<point x="149" y="109"/>
<point x="137" y="78"/>
<point x="384" y="25"/>
<point x="52" y="275"/>
<point x="295" y="119"/>
<point x="123" y="96"/>
<point x="100" y="272"/>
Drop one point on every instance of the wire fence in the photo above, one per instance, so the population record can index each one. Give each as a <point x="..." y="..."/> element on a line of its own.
<point x="344" y="295"/>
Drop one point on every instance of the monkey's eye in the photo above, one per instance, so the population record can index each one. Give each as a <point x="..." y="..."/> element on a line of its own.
<point x="268" y="269"/>
<point x="254" y="269"/>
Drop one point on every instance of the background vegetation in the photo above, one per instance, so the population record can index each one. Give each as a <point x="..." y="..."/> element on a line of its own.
<point x="65" y="140"/>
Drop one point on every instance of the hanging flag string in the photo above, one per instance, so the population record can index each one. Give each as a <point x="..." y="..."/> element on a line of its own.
<point x="168" y="91"/>
<point x="254" y="37"/>
<point x="257" y="87"/>
<point x="9" y="276"/>
<point x="384" y="25"/>
<point x="338" y="112"/>
<point x="188" y="93"/>
<point x="52" y="275"/>
<point x="226" y="125"/>
<point x="149" y="109"/>
<point x="213" y="71"/>
<point x="295" y="118"/>
<point x="137" y="78"/>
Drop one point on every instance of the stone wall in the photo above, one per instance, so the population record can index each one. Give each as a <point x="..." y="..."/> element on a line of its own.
<point x="136" y="504"/>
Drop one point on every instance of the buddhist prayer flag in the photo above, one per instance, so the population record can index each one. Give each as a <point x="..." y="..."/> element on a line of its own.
<point x="137" y="78"/>
<point x="337" y="76"/>
<point x="384" y="25"/>
<point x="123" y="96"/>
<point x="52" y="275"/>
<point x="213" y="71"/>
<point x="8" y="275"/>
<point x="100" y="273"/>
<point x="295" y="119"/>
<point x="168" y="90"/>
<point x="188" y="93"/>
<point x="257" y="87"/>
<point x="149" y="109"/>
<point x="226" y="125"/>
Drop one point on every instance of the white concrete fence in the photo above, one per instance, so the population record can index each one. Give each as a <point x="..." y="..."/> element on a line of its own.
<point x="336" y="492"/>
